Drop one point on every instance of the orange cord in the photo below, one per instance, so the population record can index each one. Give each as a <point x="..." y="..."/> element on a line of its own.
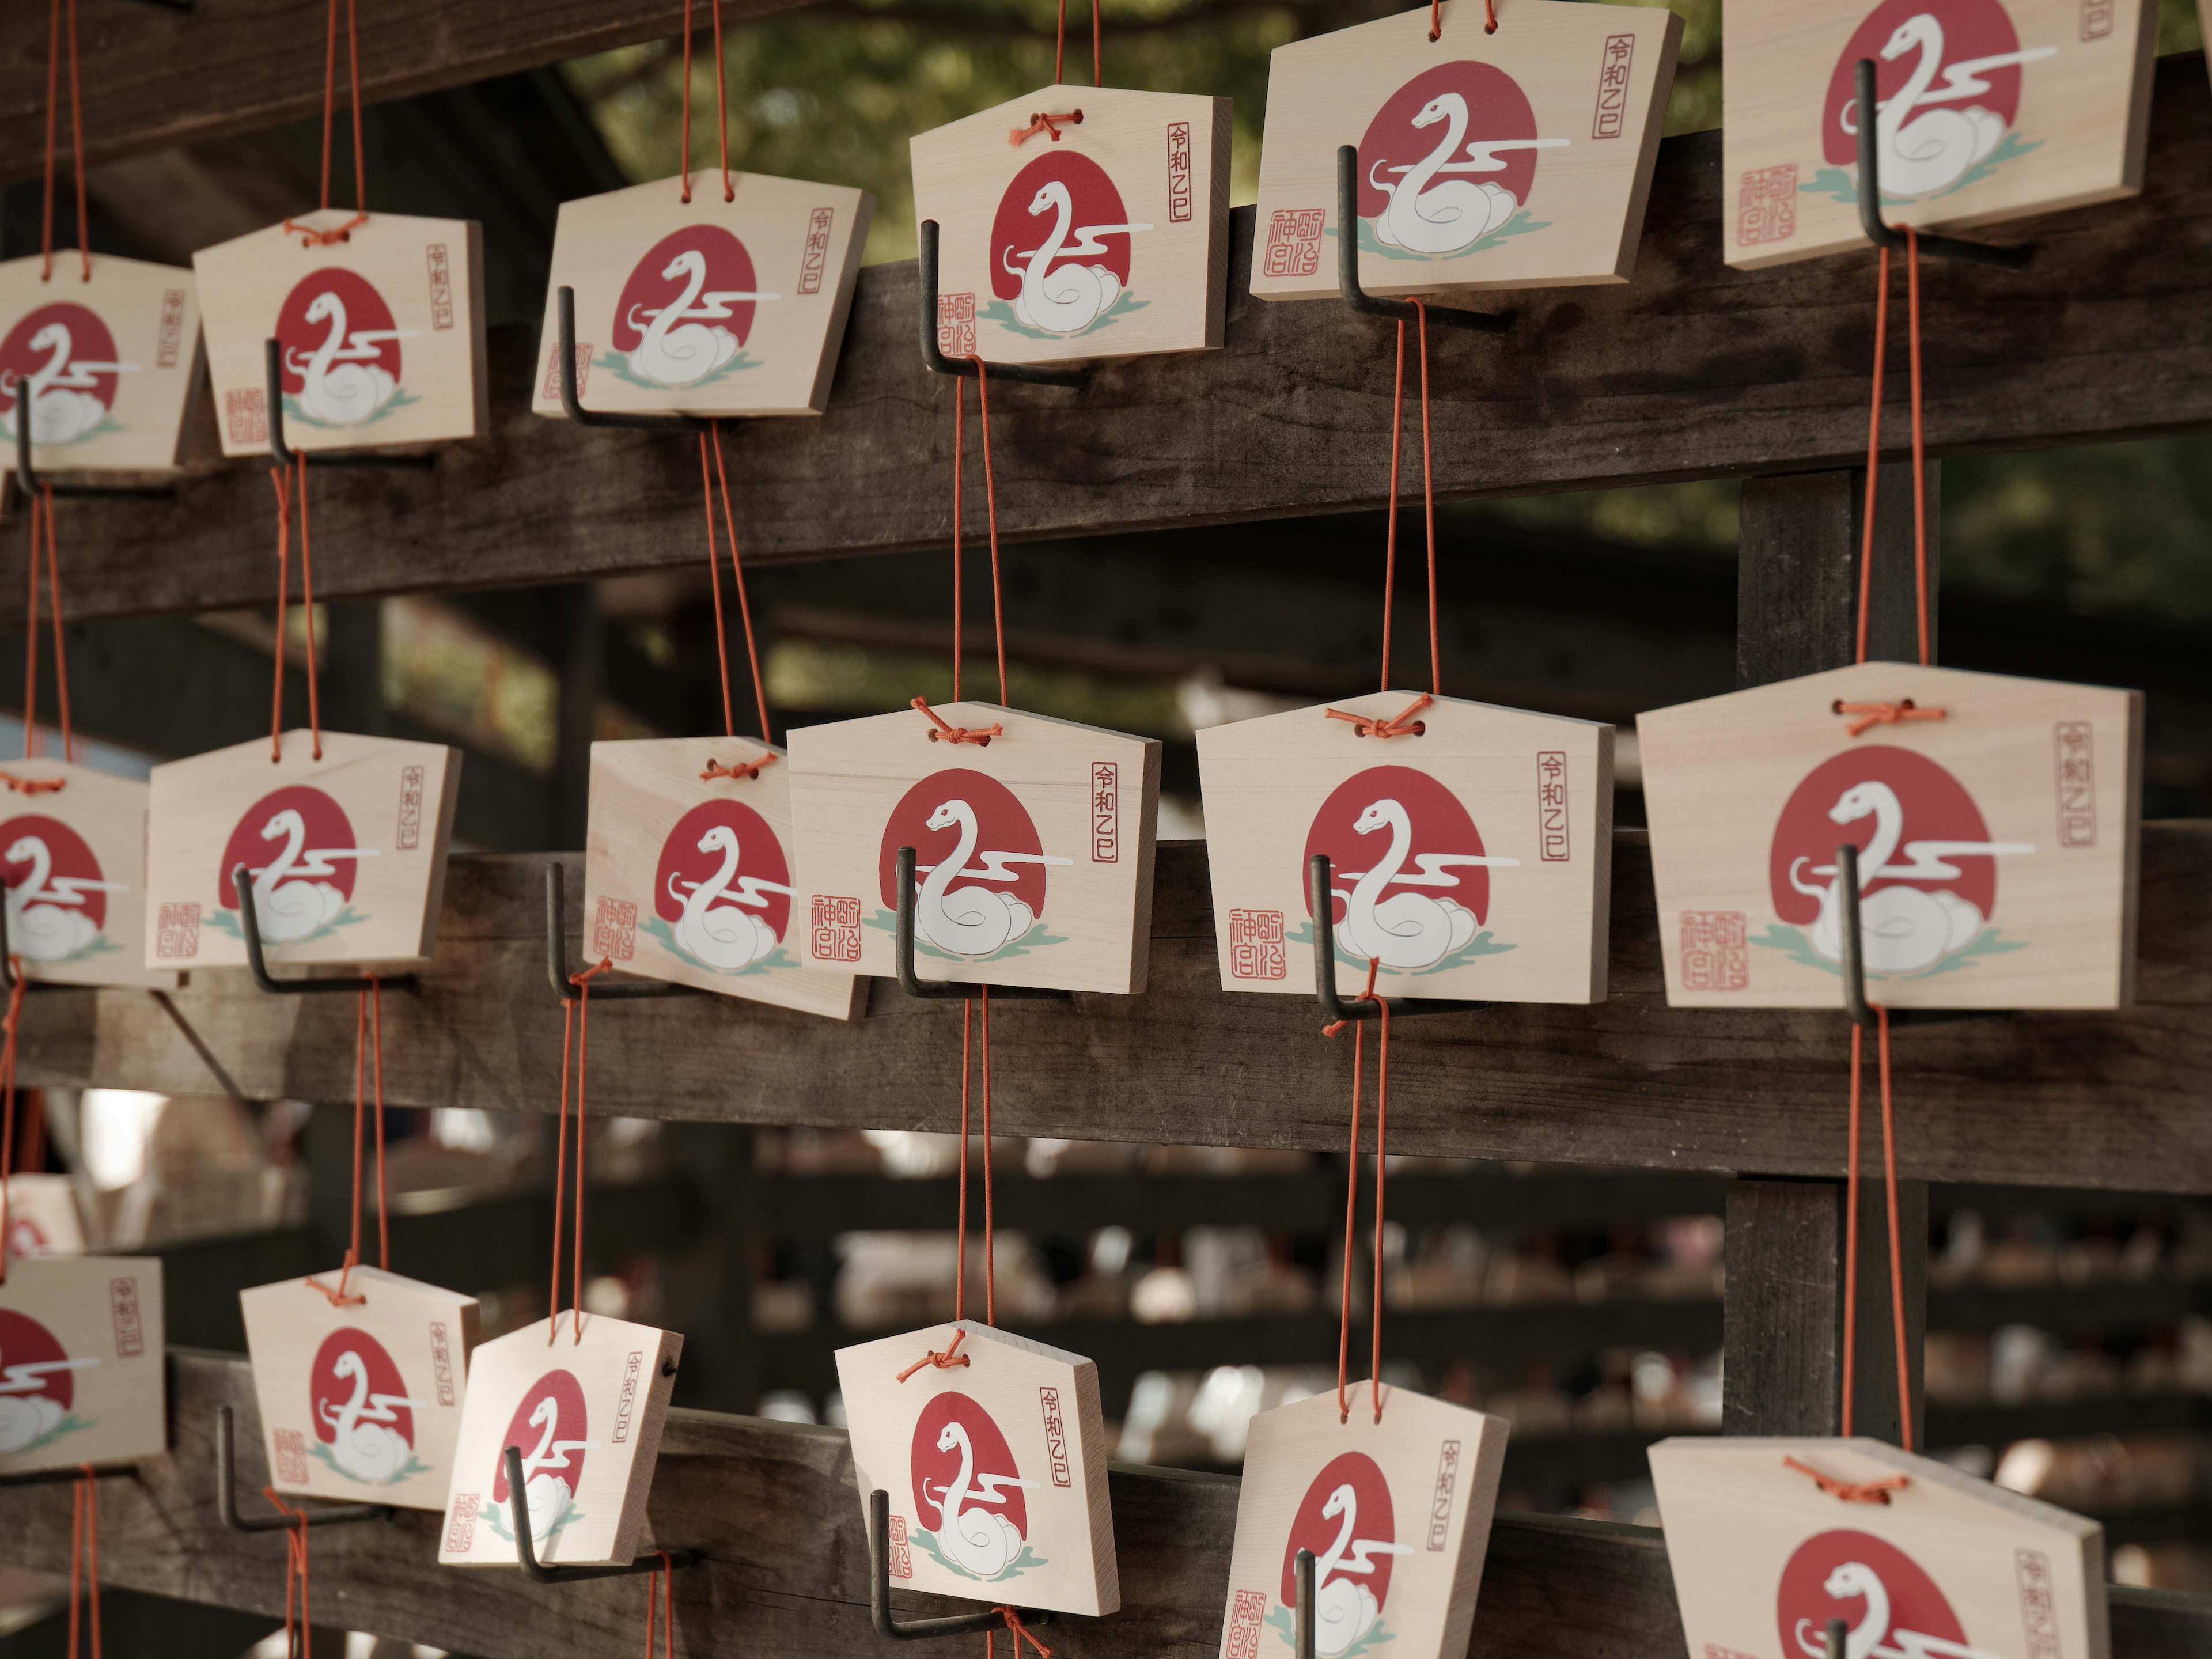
<point x="1852" y="1236"/>
<point x="1428" y="505"/>
<point x="991" y="516"/>
<point x="42" y="513"/>
<point x="1851" y="1492"/>
<point x="740" y="771"/>
<point x="1058" y="57"/>
<point x="577" y="1020"/>
<point x="1019" y="1631"/>
<point x="721" y="104"/>
<point x="84" y="1552"/>
<point x="279" y="477"/>
<point x="10" y="1025"/>
<point x="368" y="1040"/>
<point x="942" y="730"/>
<point x="1399" y="725"/>
<point x="295" y="1571"/>
<point x="660" y="1585"/>
<point x="344" y="232"/>
<point x="76" y="144"/>
<point x="1351" y="1194"/>
<point x="1865" y="716"/>
<point x="1048" y="124"/>
<point x="949" y="1359"/>
<point x="1919" y="451"/>
<point x="738" y="579"/>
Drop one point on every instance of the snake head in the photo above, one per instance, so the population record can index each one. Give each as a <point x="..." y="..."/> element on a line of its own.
<point x="1441" y="108"/>
<point x="1376" y="817"/>
<point x="947" y="814"/>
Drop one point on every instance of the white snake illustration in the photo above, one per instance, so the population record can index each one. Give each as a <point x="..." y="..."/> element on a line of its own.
<point x="345" y="383"/>
<point x="981" y="1541"/>
<point x="1064" y="299"/>
<point x="1932" y="150"/>
<point x="47" y="920"/>
<point x="725" y="938"/>
<point x="1426" y="217"/>
<point x="62" y="395"/>
<point x="366" y="1447"/>
<point x="27" y="1412"/>
<point x="546" y="1495"/>
<point x="1865" y="1641"/>
<point x="1343" y="1611"/>
<point x="286" y="907"/>
<point x="673" y="356"/>
<point x="1405" y="930"/>
<point x="972" y="921"/>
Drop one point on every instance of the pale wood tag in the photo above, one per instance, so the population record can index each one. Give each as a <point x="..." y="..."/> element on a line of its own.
<point x="1110" y="241"/>
<point x="1397" y="1515"/>
<point x="1033" y="853"/>
<point x="1474" y="860"/>
<point x="81" y="1362"/>
<point x="586" y="1417"/>
<point x="347" y="853"/>
<point x="363" y="1401"/>
<point x="112" y="365"/>
<point x="688" y="878"/>
<point x="718" y="307"/>
<point x="382" y="333"/>
<point x="1521" y="159"/>
<point x="1987" y="110"/>
<point x="74" y="859"/>
<point x="996" y="1468"/>
<point x="1950" y="1566"/>
<point x="1997" y="845"/>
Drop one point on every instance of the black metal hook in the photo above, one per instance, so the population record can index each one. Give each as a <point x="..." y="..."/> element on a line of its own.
<point x="932" y="356"/>
<point x="1318" y="886"/>
<point x="879" y="1590"/>
<point x="557" y="955"/>
<point x="1847" y="899"/>
<point x="1302" y="1616"/>
<point x="518" y="1507"/>
<point x="1838" y="1633"/>
<point x="564" y="300"/>
<point x="27" y="475"/>
<point x="943" y="989"/>
<point x="226" y="1492"/>
<point x="1347" y="265"/>
<point x="249" y="924"/>
<point x="1883" y="234"/>
<point x="274" y="363"/>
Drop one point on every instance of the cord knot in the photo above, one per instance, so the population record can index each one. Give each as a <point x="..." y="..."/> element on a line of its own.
<point x="738" y="773"/>
<point x="1399" y="725"/>
<point x="1048" y="125"/>
<point x="339" y="1297"/>
<point x="980" y="736"/>
<point x="1867" y="716"/>
<point x="582" y="981"/>
<point x="1021" y="1633"/>
<point x="948" y="1360"/>
<point x="1851" y="1492"/>
<point x="32" y="785"/>
<point x="310" y="237"/>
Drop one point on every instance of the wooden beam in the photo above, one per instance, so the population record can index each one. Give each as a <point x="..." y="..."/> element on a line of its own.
<point x="1690" y="371"/>
<point x="2102" y="1100"/>
<point x="771" y="1508"/>
<point x="155" y="78"/>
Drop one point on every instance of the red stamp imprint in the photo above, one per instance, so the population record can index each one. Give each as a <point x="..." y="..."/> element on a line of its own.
<point x="1613" y="87"/>
<point x="836" y="935"/>
<point x="1294" y="241"/>
<point x="902" y="1557"/>
<point x="553" y="370"/>
<point x="1767" y="205"/>
<point x="463" y="1533"/>
<point x="1179" y="172"/>
<point x="1055" y="1437"/>
<point x="1440" y="1506"/>
<point x="1552" y="806"/>
<point x="442" y="286"/>
<point x="614" y="930"/>
<point x="1256" y="944"/>
<point x="178" y="934"/>
<point x="123" y="1303"/>
<point x="956" y="324"/>
<point x="1715" y="953"/>
<point x="817" y="256"/>
<point x="1244" y="1624"/>
<point x="2036" y="1611"/>
<point x="171" y="337"/>
<point x="411" y="808"/>
<point x="2077" y="785"/>
<point x="626" y="1403"/>
<point x="246" y="412"/>
<point x="1105" y="811"/>
<point x="2096" y="19"/>
<point x="442" y="1362"/>
<point x="291" y="1457"/>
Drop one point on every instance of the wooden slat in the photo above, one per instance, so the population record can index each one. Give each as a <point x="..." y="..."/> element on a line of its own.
<point x="772" y="1508"/>
<point x="1691" y="370"/>
<point x="2107" y="1100"/>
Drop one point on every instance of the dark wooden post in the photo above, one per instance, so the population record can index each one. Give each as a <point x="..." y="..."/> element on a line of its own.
<point x="1798" y="568"/>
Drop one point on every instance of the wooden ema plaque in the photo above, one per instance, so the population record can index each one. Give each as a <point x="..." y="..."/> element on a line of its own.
<point x="715" y="308"/>
<point x="110" y="366"/>
<point x="688" y="878"/>
<point x="1515" y="159"/>
<point x="1111" y="240"/>
<point x="996" y="1469"/>
<point x="1949" y="1567"/>
<point x="81" y="1363"/>
<point x="74" y="859"/>
<point x="347" y="854"/>
<point x="1986" y="110"/>
<point x="586" y="1417"/>
<point x="1474" y="860"/>
<point x="1033" y="853"/>
<point x="1397" y="1515"/>
<point x="43" y="1218"/>
<point x="1997" y="845"/>
<point x="382" y="334"/>
<point x="361" y="1402"/>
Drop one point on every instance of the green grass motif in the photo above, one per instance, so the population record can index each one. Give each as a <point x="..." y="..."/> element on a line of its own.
<point x="664" y="935"/>
<point x="1035" y="939"/>
<point x="415" y="1466"/>
<point x="1014" y="1569"/>
<point x="1521" y="224"/>
<point x="617" y="363"/>
<point x="398" y="400"/>
<point x="224" y="921"/>
<point x="1280" y="1621"/>
<point x="1484" y="943"/>
<point x="1001" y="312"/>
<point x="1843" y="185"/>
<point x="1795" y="944"/>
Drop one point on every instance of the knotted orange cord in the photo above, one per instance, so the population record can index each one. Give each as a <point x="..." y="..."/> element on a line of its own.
<point x="1046" y="122"/>
<point x="1399" y="725"/>
<point x="1429" y="509"/>
<point x="576" y="1018"/>
<point x="1059" y="54"/>
<point x="1919" y="447"/>
<point x="721" y="479"/>
<point x="1019" y="1631"/>
<point x="42" y="513"/>
<point x="1851" y="1236"/>
<point x="1436" y="18"/>
<point x="344" y="232"/>
<point x="295" y="1571"/>
<point x="942" y="730"/>
<point x="1851" y="1492"/>
<point x="279" y="477"/>
<point x="8" y="1025"/>
<point x="76" y="144"/>
<point x="1867" y="716"/>
<point x="661" y="1586"/>
<point x="367" y="1039"/>
<point x="721" y="104"/>
<point x="84" y="1552"/>
<point x="1352" y="1193"/>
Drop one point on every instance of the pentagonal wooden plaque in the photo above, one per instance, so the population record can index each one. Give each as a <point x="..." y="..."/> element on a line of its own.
<point x="74" y="859"/>
<point x="347" y="853"/>
<point x="1521" y="159"/>
<point x="1997" y="845"/>
<point x="80" y="1359"/>
<point x="1033" y="852"/>
<point x="688" y="877"/>
<point x="110" y="365"/>
<point x="382" y="334"/>
<point x="586" y="1417"/>
<point x="1397" y="1515"/>
<point x="1110" y="241"/>
<point x="43" y="1218"/>
<point x="1473" y="859"/>
<point x="718" y="307"/>
<point x="361" y="1402"/>
<point x="996" y="1468"/>
<point x="1949" y="1566"/>
<point x="1986" y="110"/>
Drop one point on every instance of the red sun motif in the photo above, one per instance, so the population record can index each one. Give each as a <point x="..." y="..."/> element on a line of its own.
<point x="1334" y="1527"/>
<point x="1398" y="843"/>
<point x="335" y="315"/>
<point x="1050" y="211"/>
<point x="551" y="1413"/>
<point x="1934" y="36"/>
<point x="749" y="853"/>
<point x="32" y="1363"/>
<point x="977" y="813"/>
<point x="692" y="285"/>
<point x="1467" y="104"/>
<point x="294" y="827"/>
<point x="955" y="1436"/>
<point x="342" y="1388"/>
<point x="1898" y="798"/>
<point x="65" y="347"/>
<point x="41" y="858"/>
<point x="1858" y="1577"/>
